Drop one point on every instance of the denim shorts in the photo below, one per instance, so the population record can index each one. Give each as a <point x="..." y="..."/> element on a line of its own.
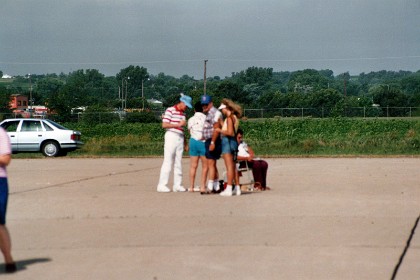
<point x="229" y="145"/>
<point x="4" y="194"/>
<point x="197" y="148"/>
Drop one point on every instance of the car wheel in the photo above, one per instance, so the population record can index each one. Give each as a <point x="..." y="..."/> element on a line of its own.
<point x="50" y="149"/>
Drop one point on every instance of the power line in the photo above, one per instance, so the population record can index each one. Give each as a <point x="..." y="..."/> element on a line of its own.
<point x="212" y="59"/>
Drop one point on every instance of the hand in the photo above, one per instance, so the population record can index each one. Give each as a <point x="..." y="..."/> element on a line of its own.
<point x="211" y="147"/>
<point x="182" y="123"/>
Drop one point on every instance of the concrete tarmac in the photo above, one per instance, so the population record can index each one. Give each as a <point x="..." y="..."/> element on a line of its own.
<point x="325" y="218"/>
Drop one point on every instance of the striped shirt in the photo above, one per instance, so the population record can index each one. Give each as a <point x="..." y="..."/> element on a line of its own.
<point x="174" y="116"/>
<point x="5" y="149"/>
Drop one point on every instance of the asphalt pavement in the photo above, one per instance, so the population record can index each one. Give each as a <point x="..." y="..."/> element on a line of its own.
<point x="324" y="218"/>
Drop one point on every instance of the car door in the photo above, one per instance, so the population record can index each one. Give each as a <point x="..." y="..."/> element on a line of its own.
<point x="30" y="136"/>
<point x="12" y="127"/>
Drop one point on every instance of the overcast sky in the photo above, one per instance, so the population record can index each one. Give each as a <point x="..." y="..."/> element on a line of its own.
<point x="176" y="36"/>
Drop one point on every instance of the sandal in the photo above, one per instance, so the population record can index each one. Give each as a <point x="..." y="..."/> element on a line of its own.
<point x="205" y="192"/>
<point x="257" y="186"/>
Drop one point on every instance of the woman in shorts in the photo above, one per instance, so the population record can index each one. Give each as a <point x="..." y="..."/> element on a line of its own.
<point x="232" y="113"/>
<point x="197" y="150"/>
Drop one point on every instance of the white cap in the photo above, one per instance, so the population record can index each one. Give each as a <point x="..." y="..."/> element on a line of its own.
<point x="223" y="106"/>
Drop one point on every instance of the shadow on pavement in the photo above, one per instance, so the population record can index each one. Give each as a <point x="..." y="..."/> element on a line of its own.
<point x="21" y="265"/>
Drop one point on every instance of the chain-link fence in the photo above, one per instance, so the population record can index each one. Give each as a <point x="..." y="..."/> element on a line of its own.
<point x="356" y="112"/>
<point x="155" y="115"/>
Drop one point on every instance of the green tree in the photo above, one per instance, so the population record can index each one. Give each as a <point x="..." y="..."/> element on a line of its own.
<point x="231" y="90"/>
<point x="47" y="87"/>
<point x="4" y="100"/>
<point x="308" y="80"/>
<point x="411" y="84"/>
<point x="131" y="81"/>
<point x="83" y="88"/>
<point x="324" y="98"/>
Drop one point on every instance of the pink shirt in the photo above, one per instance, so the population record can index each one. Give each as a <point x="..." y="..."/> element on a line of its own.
<point x="5" y="149"/>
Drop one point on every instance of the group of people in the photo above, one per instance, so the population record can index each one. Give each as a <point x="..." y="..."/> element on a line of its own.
<point x="214" y="133"/>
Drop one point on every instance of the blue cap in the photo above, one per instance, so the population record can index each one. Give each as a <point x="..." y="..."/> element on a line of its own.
<point x="187" y="100"/>
<point x="205" y="99"/>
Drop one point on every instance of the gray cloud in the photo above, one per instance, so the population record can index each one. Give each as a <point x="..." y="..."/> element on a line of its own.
<point x="175" y="37"/>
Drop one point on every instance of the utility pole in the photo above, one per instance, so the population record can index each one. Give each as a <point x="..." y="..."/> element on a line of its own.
<point x="30" y="95"/>
<point x="205" y="75"/>
<point x="142" y="94"/>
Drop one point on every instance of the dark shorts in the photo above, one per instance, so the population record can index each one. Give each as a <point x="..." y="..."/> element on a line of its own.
<point x="215" y="154"/>
<point x="4" y="194"/>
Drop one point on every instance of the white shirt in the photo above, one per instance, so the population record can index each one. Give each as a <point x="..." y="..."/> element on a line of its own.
<point x="196" y="126"/>
<point x="243" y="150"/>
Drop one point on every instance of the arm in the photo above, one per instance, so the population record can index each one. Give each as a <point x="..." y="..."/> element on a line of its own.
<point x="5" y="160"/>
<point x="168" y="117"/>
<point x="245" y="153"/>
<point x="251" y="154"/>
<point x="173" y="125"/>
<point x="216" y="132"/>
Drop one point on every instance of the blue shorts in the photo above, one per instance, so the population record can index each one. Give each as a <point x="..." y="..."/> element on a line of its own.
<point x="229" y="145"/>
<point x="4" y="194"/>
<point x="197" y="148"/>
<point x="215" y="154"/>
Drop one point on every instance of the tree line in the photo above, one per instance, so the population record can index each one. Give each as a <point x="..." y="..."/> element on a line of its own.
<point x="256" y="87"/>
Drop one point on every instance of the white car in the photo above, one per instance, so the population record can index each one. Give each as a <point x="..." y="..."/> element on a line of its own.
<point x="46" y="136"/>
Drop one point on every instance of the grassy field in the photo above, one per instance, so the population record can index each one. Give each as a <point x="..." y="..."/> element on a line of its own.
<point x="274" y="137"/>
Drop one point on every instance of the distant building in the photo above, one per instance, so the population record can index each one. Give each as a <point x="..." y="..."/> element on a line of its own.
<point x="155" y="102"/>
<point x="19" y="105"/>
<point x="5" y="76"/>
<point x="18" y="102"/>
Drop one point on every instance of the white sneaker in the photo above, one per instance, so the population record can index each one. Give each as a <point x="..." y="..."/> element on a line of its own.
<point x="226" y="192"/>
<point x="163" y="189"/>
<point x="179" y="189"/>
<point x="237" y="190"/>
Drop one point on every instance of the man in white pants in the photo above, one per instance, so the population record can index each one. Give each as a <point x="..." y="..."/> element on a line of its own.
<point x="174" y="121"/>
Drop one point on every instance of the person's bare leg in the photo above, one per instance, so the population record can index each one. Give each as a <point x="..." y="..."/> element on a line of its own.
<point x="230" y="174"/>
<point x="204" y="173"/>
<point x="5" y="244"/>
<point x="211" y="163"/>
<point x="193" y="171"/>
<point x="230" y="164"/>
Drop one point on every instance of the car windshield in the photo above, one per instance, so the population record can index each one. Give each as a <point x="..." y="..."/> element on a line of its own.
<point x="56" y="124"/>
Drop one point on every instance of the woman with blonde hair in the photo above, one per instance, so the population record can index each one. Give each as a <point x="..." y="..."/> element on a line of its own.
<point x="232" y="113"/>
